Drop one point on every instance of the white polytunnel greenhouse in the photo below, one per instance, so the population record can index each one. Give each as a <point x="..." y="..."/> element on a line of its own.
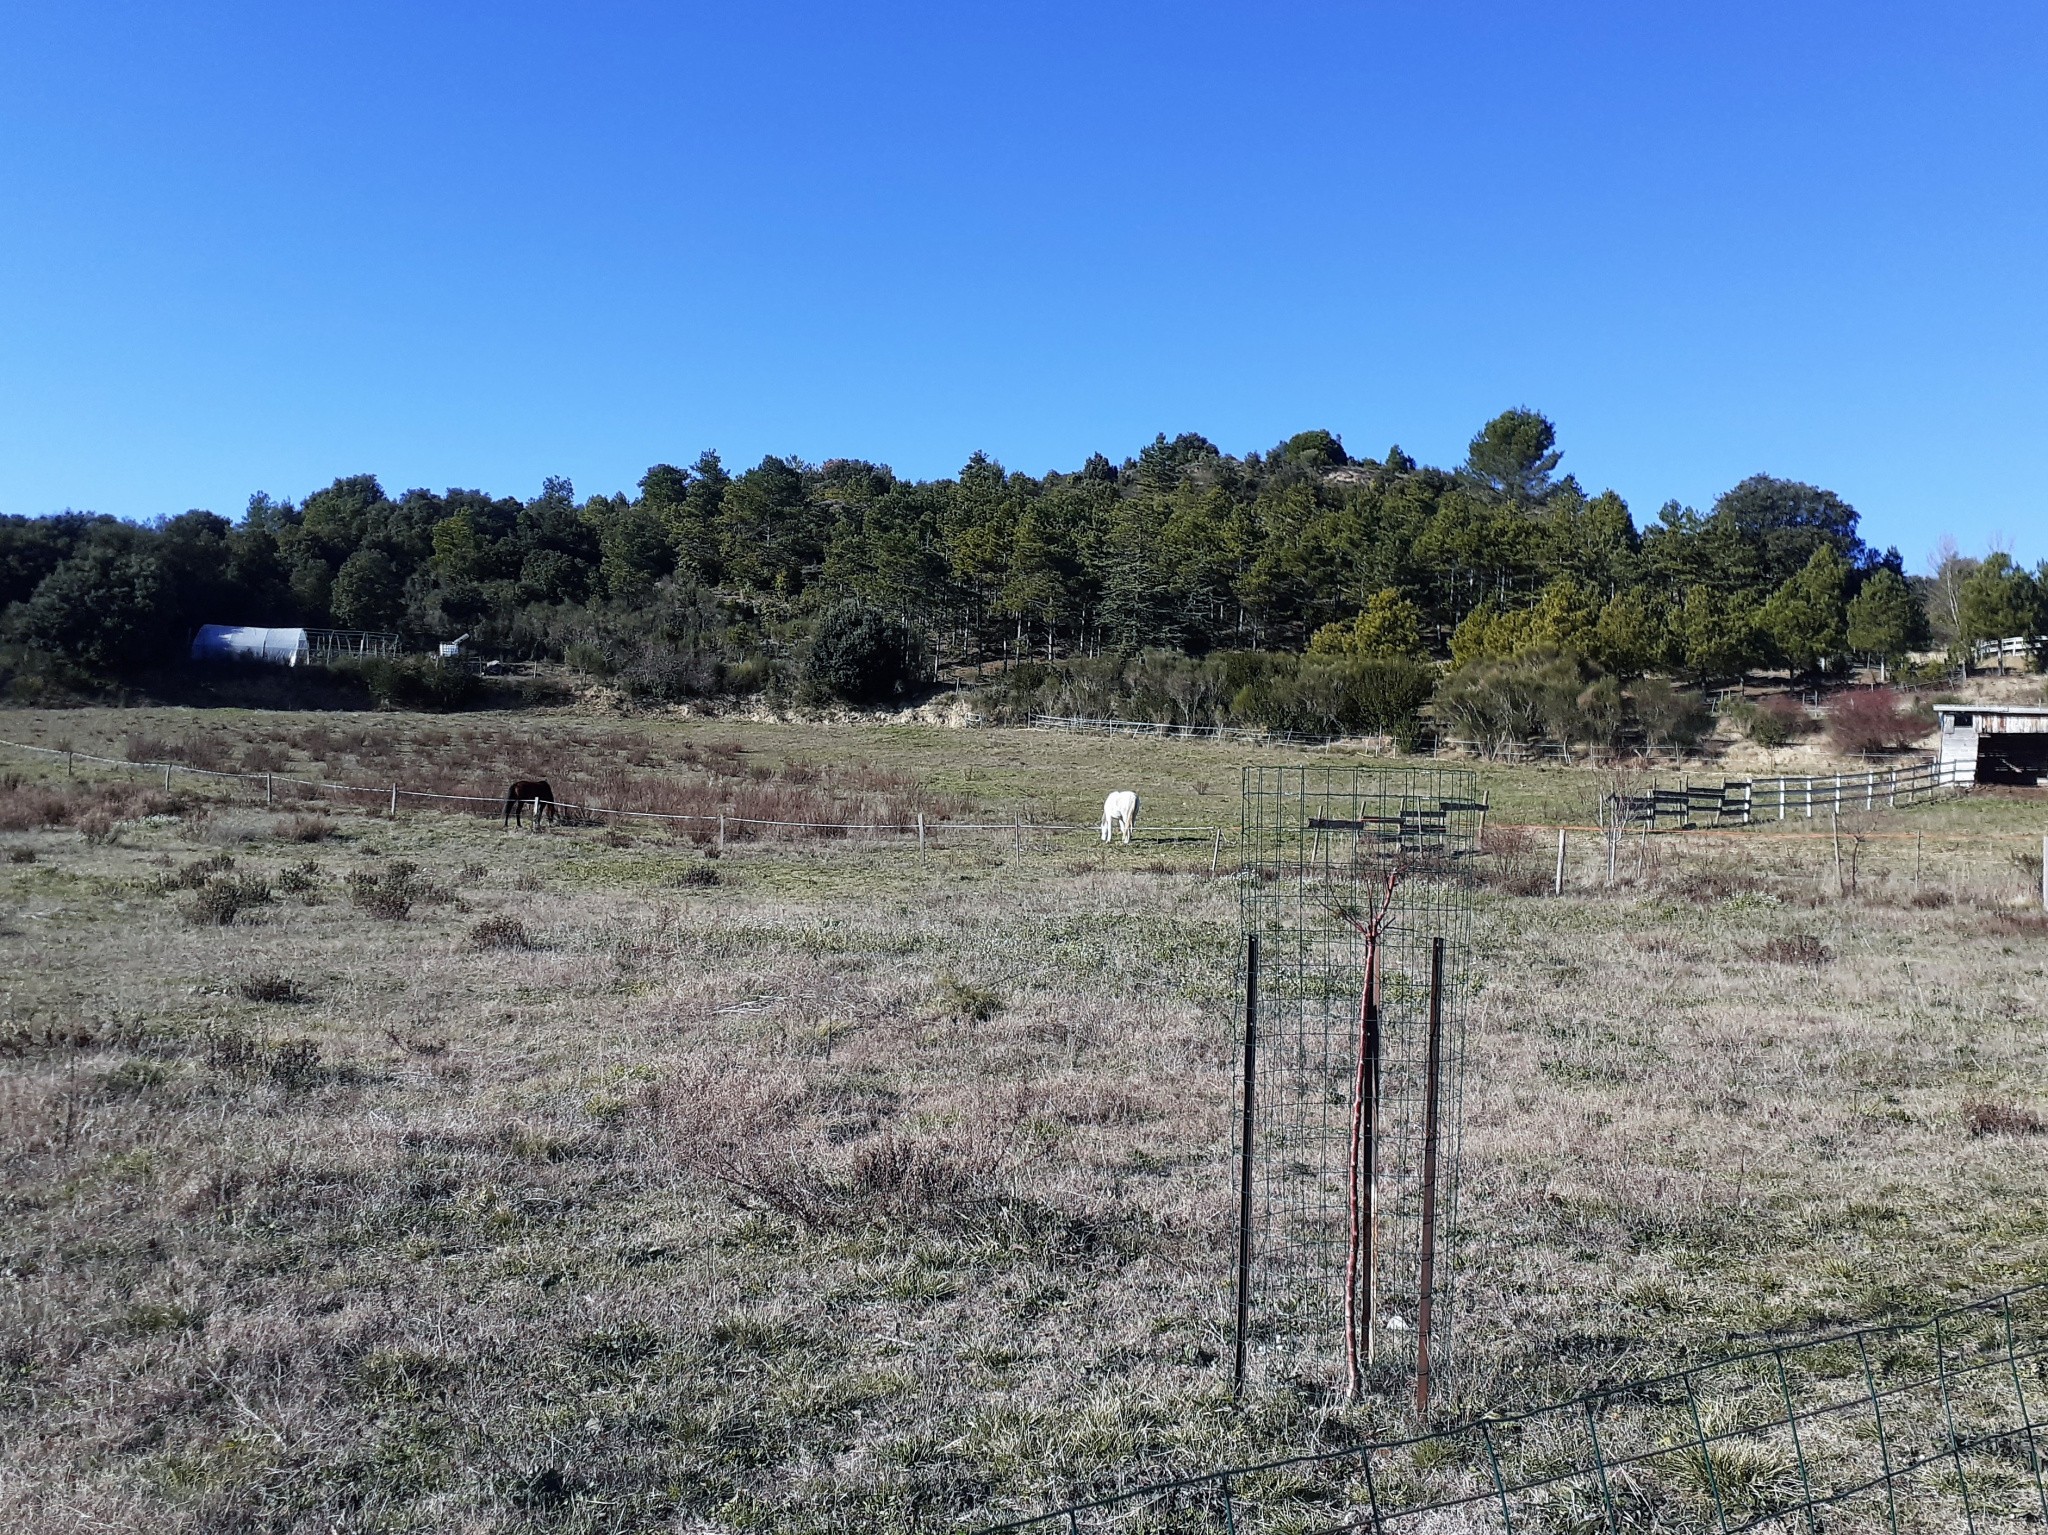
<point x="240" y="642"/>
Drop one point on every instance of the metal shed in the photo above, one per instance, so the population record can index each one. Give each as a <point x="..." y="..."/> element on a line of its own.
<point x="1994" y="743"/>
<point x="241" y="642"/>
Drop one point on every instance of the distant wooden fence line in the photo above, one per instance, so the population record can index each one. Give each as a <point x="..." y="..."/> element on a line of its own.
<point x="1744" y="801"/>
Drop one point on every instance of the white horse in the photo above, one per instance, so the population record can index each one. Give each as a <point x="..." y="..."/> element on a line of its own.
<point x="1120" y="810"/>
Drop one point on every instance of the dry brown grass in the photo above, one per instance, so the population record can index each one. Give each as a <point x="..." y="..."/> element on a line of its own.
<point x="860" y="1191"/>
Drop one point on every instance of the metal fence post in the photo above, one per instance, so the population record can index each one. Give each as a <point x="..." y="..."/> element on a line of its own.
<point x="1557" y="885"/>
<point x="167" y="777"/>
<point x="920" y="831"/>
<point x="1426" y="1289"/>
<point x="1244" y="1180"/>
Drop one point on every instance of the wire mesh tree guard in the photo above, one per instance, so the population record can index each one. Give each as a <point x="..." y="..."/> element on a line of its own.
<point x="1357" y="917"/>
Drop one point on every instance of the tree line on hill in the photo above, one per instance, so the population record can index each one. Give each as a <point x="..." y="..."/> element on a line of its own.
<point x="1304" y="583"/>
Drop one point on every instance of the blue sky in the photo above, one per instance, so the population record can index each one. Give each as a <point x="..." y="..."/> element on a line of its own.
<point x="254" y="247"/>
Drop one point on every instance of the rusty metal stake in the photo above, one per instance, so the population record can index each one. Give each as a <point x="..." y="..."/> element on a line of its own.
<point x="1244" y="1178"/>
<point x="1369" y="1188"/>
<point x="1426" y="1293"/>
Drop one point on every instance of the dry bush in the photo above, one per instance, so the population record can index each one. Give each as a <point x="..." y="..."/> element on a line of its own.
<point x="271" y="986"/>
<point x="302" y="828"/>
<point x="762" y="1139"/>
<point x="196" y="873"/>
<point x="1932" y="900"/>
<point x="1511" y="859"/>
<point x="1794" y="949"/>
<point x="388" y="895"/>
<point x="698" y="876"/>
<point x="299" y="878"/>
<point x="21" y="855"/>
<point x="1989" y="1117"/>
<point x="499" y="932"/>
<point x="1870" y="720"/>
<point x="223" y="898"/>
<point x="95" y="809"/>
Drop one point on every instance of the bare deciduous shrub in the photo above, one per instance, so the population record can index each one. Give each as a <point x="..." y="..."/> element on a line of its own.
<point x="302" y="828"/>
<point x="97" y="827"/>
<point x="271" y="986"/>
<point x="964" y="1001"/>
<point x="698" y="876"/>
<point x="1794" y="949"/>
<point x="1870" y="720"/>
<point x="892" y="1177"/>
<point x="1987" y="1117"/>
<point x="1512" y="861"/>
<point x="499" y="932"/>
<point x="223" y="898"/>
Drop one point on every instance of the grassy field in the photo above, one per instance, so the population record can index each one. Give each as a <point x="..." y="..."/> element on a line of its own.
<point x="473" y="1180"/>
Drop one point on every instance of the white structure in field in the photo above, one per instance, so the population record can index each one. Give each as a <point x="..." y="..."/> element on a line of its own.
<point x="240" y="642"/>
<point x="1994" y="743"/>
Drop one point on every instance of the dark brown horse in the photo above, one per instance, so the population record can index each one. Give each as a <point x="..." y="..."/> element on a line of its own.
<point x="534" y="792"/>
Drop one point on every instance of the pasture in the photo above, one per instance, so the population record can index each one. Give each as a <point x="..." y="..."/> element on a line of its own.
<point x="604" y="1179"/>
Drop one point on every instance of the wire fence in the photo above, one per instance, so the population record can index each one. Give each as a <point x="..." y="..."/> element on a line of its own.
<point x="1923" y="1425"/>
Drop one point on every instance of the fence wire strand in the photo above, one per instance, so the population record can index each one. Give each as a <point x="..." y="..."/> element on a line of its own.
<point x="1846" y="1431"/>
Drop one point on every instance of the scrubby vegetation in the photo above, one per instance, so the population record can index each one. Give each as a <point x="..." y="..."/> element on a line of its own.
<point x="1304" y="588"/>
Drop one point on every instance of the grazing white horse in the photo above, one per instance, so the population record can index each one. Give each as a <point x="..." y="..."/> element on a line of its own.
<point x="1120" y="810"/>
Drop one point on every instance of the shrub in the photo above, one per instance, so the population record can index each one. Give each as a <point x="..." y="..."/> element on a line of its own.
<point x="271" y="986"/>
<point x="299" y="878"/>
<point x="415" y="682"/>
<point x="221" y="899"/>
<point x="499" y="932"/>
<point x="302" y="828"/>
<point x="21" y="855"/>
<point x="860" y="656"/>
<point x="388" y="895"/>
<point x="1775" y="721"/>
<point x="1670" y="716"/>
<point x="196" y="873"/>
<point x="1869" y="721"/>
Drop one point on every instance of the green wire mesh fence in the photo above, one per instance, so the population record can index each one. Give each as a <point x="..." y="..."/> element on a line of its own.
<point x="1918" y="1426"/>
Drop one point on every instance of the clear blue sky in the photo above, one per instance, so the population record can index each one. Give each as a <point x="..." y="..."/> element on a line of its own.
<point x="253" y="247"/>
